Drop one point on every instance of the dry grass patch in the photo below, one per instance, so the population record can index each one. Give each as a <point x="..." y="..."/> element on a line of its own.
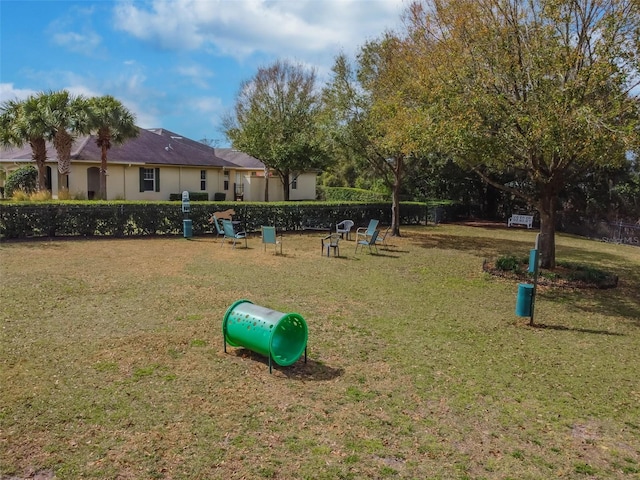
<point x="113" y="363"/>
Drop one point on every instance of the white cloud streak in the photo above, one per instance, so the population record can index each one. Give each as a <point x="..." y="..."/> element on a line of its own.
<point x="9" y="92"/>
<point x="74" y="32"/>
<point x="243" y="27"/>
<point x="85" y="43"/>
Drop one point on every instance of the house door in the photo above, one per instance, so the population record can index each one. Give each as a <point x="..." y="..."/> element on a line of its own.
<point x="93" y="182"/>
<point x="47" y="179"/>
<point x="238" y="188"/>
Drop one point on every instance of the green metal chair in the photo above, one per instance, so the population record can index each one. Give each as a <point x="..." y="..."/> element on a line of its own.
<point x="219" y="229"/>
<point x="382" y="239"/>
<point x="368" y="242"/>
<point x="269" y="236"/>
<point x="230" y="233"/>
<point x="366" y="233"/>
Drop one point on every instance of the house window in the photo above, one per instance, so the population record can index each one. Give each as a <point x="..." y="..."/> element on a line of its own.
<point x="149" y="179"/>
<point x="294" y="183"/>
<point x="203" y="179"/>
<point x="226" y="180"/>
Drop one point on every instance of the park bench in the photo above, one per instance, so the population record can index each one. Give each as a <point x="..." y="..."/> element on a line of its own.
<point x="526" y="220"/>
<point x="315" y="225"/>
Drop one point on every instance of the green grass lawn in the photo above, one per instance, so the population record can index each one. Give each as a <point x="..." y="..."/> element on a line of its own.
<point x="112" y="362"/>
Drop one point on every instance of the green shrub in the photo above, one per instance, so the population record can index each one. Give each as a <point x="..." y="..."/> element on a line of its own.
<point x="24" y="179"/>
<point x="585" y="273"/>
<point x="508" y="263"/>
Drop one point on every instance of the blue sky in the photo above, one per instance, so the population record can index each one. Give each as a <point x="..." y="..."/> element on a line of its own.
<point x="176" y="64"/>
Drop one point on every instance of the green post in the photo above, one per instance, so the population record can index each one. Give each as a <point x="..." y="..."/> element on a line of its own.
<point x="526" y="299"/>
<point x="534" y="268"/>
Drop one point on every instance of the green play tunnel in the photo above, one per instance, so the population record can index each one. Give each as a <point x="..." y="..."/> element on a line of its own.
<point x="279" y="336"/>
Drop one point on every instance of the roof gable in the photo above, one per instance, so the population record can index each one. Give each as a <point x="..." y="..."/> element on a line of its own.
<point x="155" y="146"/>
<point x="239" y="158"/>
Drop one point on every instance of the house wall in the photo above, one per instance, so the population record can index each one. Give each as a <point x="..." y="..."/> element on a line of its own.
<point x="177" y="180"/>
<point x="123" y="182"/>
<point x="306" y="188"/>
<point x="254" y="188"/>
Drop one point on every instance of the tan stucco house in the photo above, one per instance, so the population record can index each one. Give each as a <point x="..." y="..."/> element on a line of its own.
<point x="158" y="163"/>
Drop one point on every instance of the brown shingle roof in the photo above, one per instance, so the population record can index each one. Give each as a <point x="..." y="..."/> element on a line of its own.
<point x="239" y="158"/>
<point x="155" y="146"/>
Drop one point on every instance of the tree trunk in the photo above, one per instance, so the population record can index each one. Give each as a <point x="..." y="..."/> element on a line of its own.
<point x="395" y="209"/>
<point x="63" y="189"/>
<point x="62" y="142"/>
<point x="42" y="176"/>
<point x="286" y="184"/>
<point x="398" y="171"/>
<point x="266" y="184"/>
<point x="103" y="172"/>
<point x="39" y="149"/>
<point x="547" y="245"/>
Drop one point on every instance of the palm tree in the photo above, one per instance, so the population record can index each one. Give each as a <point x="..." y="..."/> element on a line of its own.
<point x="66" y="116"/>
<point x="22" y="122"/>
<point x="114" y="124"/>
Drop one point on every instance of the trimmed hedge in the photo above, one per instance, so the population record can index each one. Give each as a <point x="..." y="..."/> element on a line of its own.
<point x="193" y="197"/>
<point x="348" y="194"/>
<point x="122" y="218"/>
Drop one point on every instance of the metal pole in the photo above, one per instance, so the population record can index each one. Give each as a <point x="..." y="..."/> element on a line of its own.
<point x="535" y="278"/>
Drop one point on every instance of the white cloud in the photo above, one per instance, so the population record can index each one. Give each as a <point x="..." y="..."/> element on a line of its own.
<point x="128" y="88"/>
<point x="144" y="117"/>
<point x="207" y="105"/>
<point x="86" y="43"/>
<point x="9" y="92"/>
<point x="83" y="90"/>
<point x="78" y="39"/>
<point x="196" y="74"/>
<point x="242" y="27"/>
<point x="171" y="25"/>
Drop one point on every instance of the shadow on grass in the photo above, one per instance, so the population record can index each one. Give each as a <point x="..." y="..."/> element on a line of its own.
<point x="490" y="247"/>
<point x="356" y="256"/>
<point x="487" y="247"/>
<point x="622" y="301"/>
<point x="392" y="249"/>
<point x="300" y="370"/>
<point x="573" y="329"/>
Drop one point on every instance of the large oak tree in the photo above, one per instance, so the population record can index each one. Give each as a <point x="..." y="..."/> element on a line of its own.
<point x="542" y="90"/>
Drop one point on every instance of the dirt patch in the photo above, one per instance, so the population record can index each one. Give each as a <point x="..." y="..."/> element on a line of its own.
<point x="33" y="475"/>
